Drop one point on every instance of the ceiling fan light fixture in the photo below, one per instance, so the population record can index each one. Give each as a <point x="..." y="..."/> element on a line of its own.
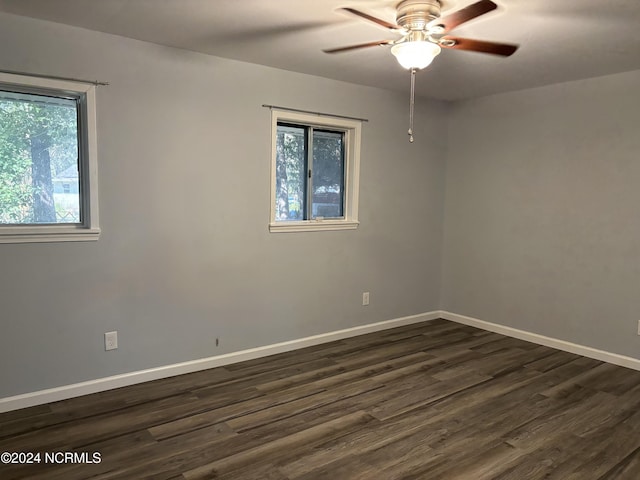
<point x="415" y="54"/>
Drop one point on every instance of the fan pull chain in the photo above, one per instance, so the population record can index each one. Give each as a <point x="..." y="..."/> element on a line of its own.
<point x="411" y="103"/>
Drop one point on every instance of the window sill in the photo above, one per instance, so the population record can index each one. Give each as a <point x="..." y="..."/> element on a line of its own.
<point x="48" y="234"/>
<point x="312" y="226"/>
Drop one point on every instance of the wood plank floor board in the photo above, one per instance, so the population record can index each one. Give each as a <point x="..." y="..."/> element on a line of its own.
<point x="391" y="350"/>
<point x="320" y="414"/>
<point x="633" y="420"/>
<point x="571" y="370"/>
<point x="442" y="335"/>
<point x="105" y="426"/>
<point x="403" y="430"/>
<point x="470" y="341"/>
<point x="423" y="425"/>
<point x="614" y="380"/>
<point x="612" y="450"/>
<point x="505" y="361"/>
<point x="286" y="359"/>
<point x="281" y="367"/>
<point x="114" y="451"/>
<point x="300" y="405"/>
<point x="261" y="435"/>
<point x="555" y="360"/>
<point x="483" y="463"/>
<point x="215" y="415"/>
<point x="11" y="428"/>
<point x="286" y="447"/>
<point x="137" y="394"/>
<point x="404" y="390"/>
<point x="424" y="394"/>
<point x="543" y="462"/>
<point x="387" y="461"/>
<point x="379" y="372"/>
<point x="500" y="343"/>
<point x="428" y="401"/>
<point x="544" y="425"/>
<point x="25" y="413"/>
<point x="167" y="457"/>
<point x="334" y="457"/>
<point x="487" y="428"/>
<point x="594" y="460"/>
<point x="524" y="384"/>
<point x="226" y="395"/>
<point x="256" y="376"/>
<point x="331" y="374"/>
<point x="626" y="468"/>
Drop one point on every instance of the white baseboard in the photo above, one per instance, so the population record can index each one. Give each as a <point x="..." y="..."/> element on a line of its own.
<point x="590" y="352"/>
<point x="108" y="383"/>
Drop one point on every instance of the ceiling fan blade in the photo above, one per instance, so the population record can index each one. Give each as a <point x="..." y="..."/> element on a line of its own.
<point x="377" y="21"/>
<point x="457" y="43"/>
<point x="474" y="10"/>
<point x="361" y="45"/>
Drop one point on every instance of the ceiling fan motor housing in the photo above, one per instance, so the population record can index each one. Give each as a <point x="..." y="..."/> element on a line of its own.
<point x="416" y="14"/>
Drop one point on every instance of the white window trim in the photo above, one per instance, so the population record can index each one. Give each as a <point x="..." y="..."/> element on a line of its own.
<point x="90" y="229"/>
<point x="353" y="135"/>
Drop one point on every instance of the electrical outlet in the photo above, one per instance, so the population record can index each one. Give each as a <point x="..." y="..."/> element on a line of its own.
<point x="638" y="327"/>
<point x="217" y="342"/>
<point x="365" y="298"/>
<point x="111" y="340"/>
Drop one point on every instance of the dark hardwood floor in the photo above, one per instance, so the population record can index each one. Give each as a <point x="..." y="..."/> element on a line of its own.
<point x="435" y="400"/>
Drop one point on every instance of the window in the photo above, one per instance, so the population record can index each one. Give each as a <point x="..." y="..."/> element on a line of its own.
<point x="48" y="182"/>
<point x="314" y="172"/>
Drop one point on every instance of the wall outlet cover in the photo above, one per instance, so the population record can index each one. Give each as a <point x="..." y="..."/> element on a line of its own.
<point x="111" y="340"/>
<point x="365" y="298"/>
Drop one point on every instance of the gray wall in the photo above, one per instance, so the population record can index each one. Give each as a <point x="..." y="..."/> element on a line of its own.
<point x="542" y="216"/>
<point x="541" y="227"/>
<point x="185" y="255"/>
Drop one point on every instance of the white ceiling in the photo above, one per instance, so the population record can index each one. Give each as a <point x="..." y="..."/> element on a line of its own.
<point x="560" y="40"/>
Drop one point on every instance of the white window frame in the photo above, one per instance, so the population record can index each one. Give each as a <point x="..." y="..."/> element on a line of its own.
<point x="352" y="138"/>
<point x="89" y="230"/>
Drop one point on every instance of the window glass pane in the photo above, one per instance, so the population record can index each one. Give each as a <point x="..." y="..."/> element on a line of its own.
<point x="291" y="168"/>
<point x="38" y="159"/>
<point x="328" y="174"/>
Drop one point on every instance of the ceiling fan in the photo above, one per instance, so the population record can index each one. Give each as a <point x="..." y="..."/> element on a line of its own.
<point x="425" y="32"/>
<point x="419" y="22"/>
